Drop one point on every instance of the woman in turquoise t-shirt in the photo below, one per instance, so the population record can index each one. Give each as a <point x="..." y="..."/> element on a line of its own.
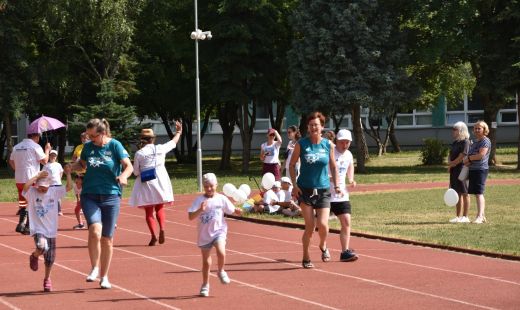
<point x="107" y="169"/>
<point x="312" y="188"/>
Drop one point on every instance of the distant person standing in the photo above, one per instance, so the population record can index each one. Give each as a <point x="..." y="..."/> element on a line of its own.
<point x="458" y="150"/>
<point x="293" y="133"/>
<point x="340" y="203"/>
<point x="477" y="161"/>
<point x="313" y="185"/>
<point x="25" y="161"/>
<point x="107" y="170"/>
<point x="152" y="195"/>
<point x="269" y="154"/>
<point x="55" y="173"/>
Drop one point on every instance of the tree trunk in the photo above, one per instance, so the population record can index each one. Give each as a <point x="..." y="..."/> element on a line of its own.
<point x="374" y="134"/>
<point x="490" y="116"/>
<point x="246" y="123"/>
<point x="359" y="138"/>
<point x="518" y="148"/>
<point x="393" y="139"/>
<point x="227" y="121"/>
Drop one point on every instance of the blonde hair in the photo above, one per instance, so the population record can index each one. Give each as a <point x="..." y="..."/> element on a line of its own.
<point x="462" y="130"/>
<point x="484" y="126"/>
<point x="100" y="125"/>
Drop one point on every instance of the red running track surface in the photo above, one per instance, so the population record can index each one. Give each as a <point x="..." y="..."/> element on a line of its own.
<point x="264" y="263"/>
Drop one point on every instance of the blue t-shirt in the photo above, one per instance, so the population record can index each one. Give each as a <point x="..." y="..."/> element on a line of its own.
<point x="103" y="166"/>
<point x="314" y="169"/>
<point x="475" y="149"/>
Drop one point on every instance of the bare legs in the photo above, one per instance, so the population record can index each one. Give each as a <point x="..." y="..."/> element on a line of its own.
<point x="321" y="221"/>
<point x="100" y="249"/>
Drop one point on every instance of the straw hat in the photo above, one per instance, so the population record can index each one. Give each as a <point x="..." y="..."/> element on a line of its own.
<point x="147" y="133"/>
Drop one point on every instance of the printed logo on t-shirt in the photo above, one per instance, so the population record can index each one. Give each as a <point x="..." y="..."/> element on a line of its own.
<point x="95" y="161"/>
<point x="207" y="216"/>
<point x="41" y="210"/>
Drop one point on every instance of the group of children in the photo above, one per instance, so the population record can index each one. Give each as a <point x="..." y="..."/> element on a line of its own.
<point x="277" y="200"/>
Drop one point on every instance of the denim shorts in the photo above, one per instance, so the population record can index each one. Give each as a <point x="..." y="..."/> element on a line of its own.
<point x="102" y="209"/>
<point x="214" y="242"/>
<point x="477" y="181"/>
<point x="317" y="199"/>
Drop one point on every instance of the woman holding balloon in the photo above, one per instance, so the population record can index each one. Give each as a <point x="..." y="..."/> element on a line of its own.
<point x="312" y="188"/>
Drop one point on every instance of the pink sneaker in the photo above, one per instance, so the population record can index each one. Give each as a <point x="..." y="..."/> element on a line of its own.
<point x="33" y="262"/>
<point x="47" y="285"/>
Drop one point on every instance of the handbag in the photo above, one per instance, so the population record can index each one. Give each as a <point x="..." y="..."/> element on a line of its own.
<point x="150" y="173"/>
<point x="464" y="173"/>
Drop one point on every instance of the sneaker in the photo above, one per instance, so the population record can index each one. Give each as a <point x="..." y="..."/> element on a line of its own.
<point x="93" y="275"/>
<point x="480" y="220"/>
<point x="104" y="283"/>
<point x="224" y="279"/>
<point x="204" y="290"/>
<point x="20" y="228"/>
<point x="60" y="213"/>
<point x="464" y="219"/>
<point x="455" y="219"/>
<point x="79" y="226"/>
<point x="33" y="262"/>
<point x="348" y="256"/>
<point x="26" y="231"/>
<point x="161" y="237"/>
<point x="47" y="285"/>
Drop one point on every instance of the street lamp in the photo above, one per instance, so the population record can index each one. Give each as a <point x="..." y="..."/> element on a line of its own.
<point x="198" y="35"/>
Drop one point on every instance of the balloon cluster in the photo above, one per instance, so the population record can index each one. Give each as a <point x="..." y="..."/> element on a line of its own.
<point x="239" y="194"/>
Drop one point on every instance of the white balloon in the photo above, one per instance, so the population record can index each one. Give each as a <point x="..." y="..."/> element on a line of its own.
<point x="229" y="189"/>
<point x="241" y="197"/>
<point x="451" y="197"/>
<point x="246" y="189"/>
<point x="268" y="180"/>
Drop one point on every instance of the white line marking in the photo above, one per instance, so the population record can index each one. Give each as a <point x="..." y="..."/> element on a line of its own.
<point x="9" y="305"/>
<point x="113" y="285"/>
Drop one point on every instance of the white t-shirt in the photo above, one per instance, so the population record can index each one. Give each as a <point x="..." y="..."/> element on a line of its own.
<point x="290" y="148"/>
<point x="271" y="152"/>
<point x="271" y="196"/>
<point x="43" y="210"/>
<point x="212" y="223"/>
<point x="26" y="156"/>
<point x="55" y="172"/>
<point x="343" y="161"/>
<point x="284" y="195"/>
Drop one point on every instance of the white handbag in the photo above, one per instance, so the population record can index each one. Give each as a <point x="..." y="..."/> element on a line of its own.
<point x="464" y="173"/>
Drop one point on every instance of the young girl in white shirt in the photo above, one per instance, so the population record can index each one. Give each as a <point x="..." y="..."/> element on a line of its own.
<point x="212" y="228"/>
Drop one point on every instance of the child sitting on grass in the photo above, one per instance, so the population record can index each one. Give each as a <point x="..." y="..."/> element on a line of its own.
<point x="42" y="204"/>
<point x="212" y="228"/>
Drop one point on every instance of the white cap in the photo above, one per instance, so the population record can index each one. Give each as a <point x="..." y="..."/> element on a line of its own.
<point x="286" y="180"/>
<point x="210" y="178"/>
<point x="53" y="152"/>
<point x="277" y="184"/>
<point x="344" y="134"/>
<point x="45" y="182"/>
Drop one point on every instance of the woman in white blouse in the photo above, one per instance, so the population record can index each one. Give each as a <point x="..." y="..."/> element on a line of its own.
<point x="155" y="193"/>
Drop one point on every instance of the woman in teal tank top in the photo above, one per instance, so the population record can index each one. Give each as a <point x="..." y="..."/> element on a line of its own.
<point x="312" y="188"/>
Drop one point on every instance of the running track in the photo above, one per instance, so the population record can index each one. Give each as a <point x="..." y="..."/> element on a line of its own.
<point x="263" y="263"/>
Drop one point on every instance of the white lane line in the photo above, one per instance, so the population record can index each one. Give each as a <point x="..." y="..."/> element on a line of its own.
<point x="113" y="285"/>
<point x="8" y="304"/>
<point x="194" y="269"/>
<point x="363" y="255"/>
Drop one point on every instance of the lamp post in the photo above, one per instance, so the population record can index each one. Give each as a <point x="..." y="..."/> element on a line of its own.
<point x="198" y="35"/>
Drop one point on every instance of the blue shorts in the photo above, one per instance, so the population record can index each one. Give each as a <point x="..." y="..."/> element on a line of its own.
<point x="477" y="181"/>
<point x="102" y="209"/>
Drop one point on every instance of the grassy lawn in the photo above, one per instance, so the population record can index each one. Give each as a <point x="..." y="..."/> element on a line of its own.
<point x="417" y="214"/>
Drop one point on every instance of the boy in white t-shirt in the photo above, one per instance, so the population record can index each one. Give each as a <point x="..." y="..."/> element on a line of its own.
<point x="55" y="173"/>
<point x="340" y="203"/>
<point x="42" y="204"/>
<point x="271" y="198"/>
<point x="212" y="228"/>
<point x="288" y="206"/>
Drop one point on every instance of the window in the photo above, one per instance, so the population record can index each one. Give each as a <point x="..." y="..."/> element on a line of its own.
<point x="414" y="118"/>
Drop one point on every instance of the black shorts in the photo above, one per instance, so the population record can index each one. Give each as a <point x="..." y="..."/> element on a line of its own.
<point x="340" y="207"/>
<point x="477" y="181"/>
<point x="318" y="200"/>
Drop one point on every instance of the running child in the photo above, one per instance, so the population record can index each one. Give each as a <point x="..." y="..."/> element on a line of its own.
<point x="212" y="228"/>
<point x="42" y="204"/>
<point x="78" y="184"/>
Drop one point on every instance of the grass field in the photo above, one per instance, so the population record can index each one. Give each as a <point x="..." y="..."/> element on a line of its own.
<point x="416" y="214"/>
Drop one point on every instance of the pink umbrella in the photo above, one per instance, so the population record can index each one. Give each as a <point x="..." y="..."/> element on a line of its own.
<point x="44" y="123"/>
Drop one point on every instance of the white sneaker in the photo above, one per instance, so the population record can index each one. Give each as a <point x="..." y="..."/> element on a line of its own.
<point x="480" y="220"/>
<point x="93" y="274"/>
<point x="464" y="219"/>
<point x="104" y="283"/>
<point x="204" y="290"/>
<point x="224" y="279"/>
<point x="455" y="220"/>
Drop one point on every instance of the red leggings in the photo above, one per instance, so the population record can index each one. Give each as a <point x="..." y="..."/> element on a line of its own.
<point x="150" y="220"/>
